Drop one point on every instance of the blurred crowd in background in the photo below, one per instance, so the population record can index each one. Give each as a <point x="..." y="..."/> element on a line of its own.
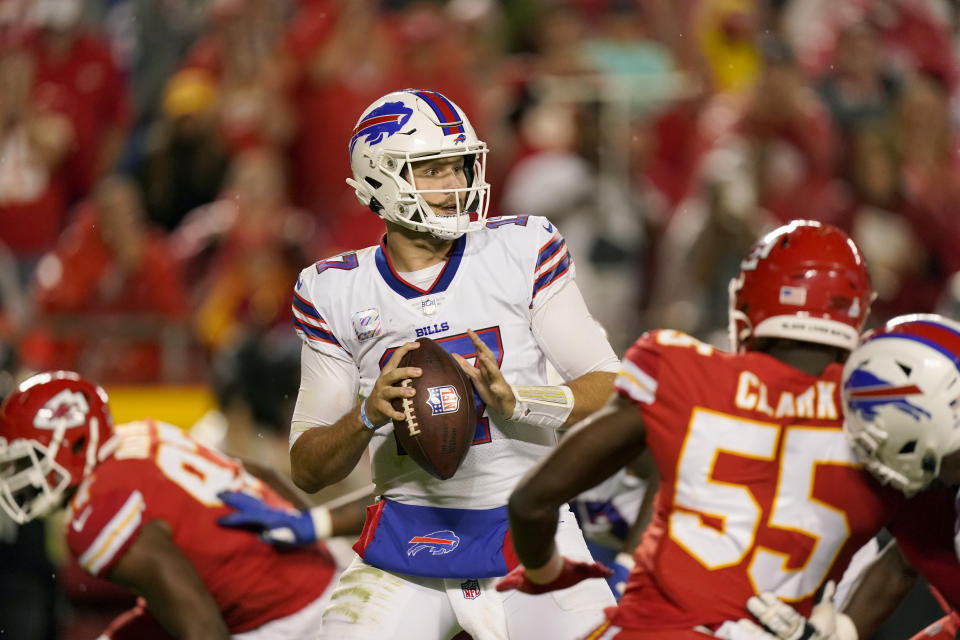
<point x="168" y="166"/>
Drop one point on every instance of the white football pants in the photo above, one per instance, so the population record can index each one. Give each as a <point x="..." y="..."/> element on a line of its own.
<point x="372" y="604"/>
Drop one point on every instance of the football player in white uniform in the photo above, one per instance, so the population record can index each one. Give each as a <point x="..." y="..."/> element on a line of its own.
<point x="498" y="293"/>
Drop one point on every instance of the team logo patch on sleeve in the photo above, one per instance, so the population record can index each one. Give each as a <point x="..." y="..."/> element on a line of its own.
<point x="444" y="399"/>
<point x="471" y="589"/>
<point x="438" y="542"/>
<point x="366" y="324"/>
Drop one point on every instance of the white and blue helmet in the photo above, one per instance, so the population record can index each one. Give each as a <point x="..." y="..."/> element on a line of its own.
<point x="412" y="126"/>
<point x="901" y="399"/>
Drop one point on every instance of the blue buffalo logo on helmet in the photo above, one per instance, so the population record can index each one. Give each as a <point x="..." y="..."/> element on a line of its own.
<point x="438" y="542"/>
<point x="866" y="393"/>
<point x="443" y="399"/>
<point x="460" y="139"/>
<point x="380" y="123"/>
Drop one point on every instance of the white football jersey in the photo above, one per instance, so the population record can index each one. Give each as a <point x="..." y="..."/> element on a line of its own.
<point x="355" y="306"/>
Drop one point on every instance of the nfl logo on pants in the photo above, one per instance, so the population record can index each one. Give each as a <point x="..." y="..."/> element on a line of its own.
<point x="471" y="589"/>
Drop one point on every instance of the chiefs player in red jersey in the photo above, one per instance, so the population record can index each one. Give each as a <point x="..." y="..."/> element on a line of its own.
<point x="759" y="489"/>
<point x="901" y="401"/>
<point x="143" y="511"/>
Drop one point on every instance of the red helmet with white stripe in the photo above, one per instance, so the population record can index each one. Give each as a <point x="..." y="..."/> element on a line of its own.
<point x="52" y="434"/>
<point x="804" y="281"/>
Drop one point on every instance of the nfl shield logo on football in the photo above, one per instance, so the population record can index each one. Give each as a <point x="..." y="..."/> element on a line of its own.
<point x="471" y="589"/>
<point x="366" y="324"/>
<point x="443" y="399"/>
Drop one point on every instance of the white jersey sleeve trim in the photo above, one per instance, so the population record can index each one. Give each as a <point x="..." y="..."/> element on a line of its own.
<point x="310" y="325"/>
<point x="114" y="535"/>
<point x="571" y="338"/>
<point x="554" y="265"/>
<point x="328" y="389"/>
<point x="636" y="383"/>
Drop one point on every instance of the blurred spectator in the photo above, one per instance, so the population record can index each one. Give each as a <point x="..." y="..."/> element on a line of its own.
<point x="345" y="53"/>
<point x="109" y="299"/>
<point x="148" y="39"/>
<point x="637" y="69"/>
<point x="184" y="164"/>
<point x="679" y="141"/>
<point x="699" y="249"/>
<point x="881" y="223"/>
<point x="242" y="252"/>
<point x="914" y="40"/>
<point x="791" y="141"/>
<point x="926" y="232"/>
<point x="727" y="31"/>
<point x="243" y="50"/>
<point x="603" y="215"/>
<point x="256" y="381"/>
<point x="560" y="39"/>
<point x="860" y="85"/>
<point x="429" y="44"/>
<point x="78" y="62"/>
<point x="35" y="136"/>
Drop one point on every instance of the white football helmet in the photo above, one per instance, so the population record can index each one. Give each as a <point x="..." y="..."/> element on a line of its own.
<point x="412" y="126"/>
<point x="901" y="399"/>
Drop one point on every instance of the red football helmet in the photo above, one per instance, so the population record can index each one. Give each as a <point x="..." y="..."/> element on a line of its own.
<point x="52" y="433"/>
<point x="805" y="281"/>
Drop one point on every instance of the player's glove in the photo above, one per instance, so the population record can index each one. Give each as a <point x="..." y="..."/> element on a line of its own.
<point x="743" y="629"/>
<point x="572" y="573"/>
<point x="276" y="526"/>
<point x="621" y="567"/>
<point x="825" y="623"/>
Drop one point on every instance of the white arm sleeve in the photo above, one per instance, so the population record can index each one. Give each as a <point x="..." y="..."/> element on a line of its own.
<point x="572" y="340"/>
<point x="328" y="390"/>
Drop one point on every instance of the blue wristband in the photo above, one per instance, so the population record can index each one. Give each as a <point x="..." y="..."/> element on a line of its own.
<point x="364" y="418"/>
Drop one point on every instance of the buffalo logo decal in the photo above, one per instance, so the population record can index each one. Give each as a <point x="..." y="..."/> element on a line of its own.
<point x="438" y="542"/>
<point x="384" y="121"/>
<point x="866" y="392"/>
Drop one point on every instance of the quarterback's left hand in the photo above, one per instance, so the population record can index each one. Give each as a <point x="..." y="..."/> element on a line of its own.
<point x="276" y="526"/>
<point x="489" y="383"/>
<point x="572" y="573"/>
<point x="825" y="623"/>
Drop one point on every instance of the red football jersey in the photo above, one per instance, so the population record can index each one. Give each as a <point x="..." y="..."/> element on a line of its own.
<point x="924" y="529"/>
<point x="157" y="472"/>
<point x="759" y="490"/>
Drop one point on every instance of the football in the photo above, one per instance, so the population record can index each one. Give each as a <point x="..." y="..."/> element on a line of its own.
<point x="440" y="420"/>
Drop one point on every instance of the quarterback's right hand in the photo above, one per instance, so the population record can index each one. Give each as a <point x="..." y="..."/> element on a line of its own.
<point x="387" y="387"/>
<point x="572" y="573"/>
<point x="824" y="623"/>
